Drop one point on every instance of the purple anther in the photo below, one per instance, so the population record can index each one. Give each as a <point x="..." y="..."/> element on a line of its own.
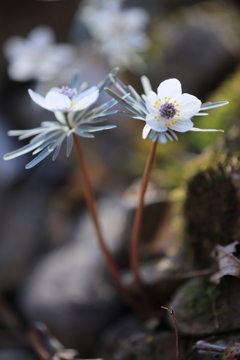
<point x="167" y="110"/>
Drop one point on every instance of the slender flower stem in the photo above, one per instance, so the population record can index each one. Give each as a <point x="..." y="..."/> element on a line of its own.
<point x="135" y="241"/>
<point x="112" y="268"/>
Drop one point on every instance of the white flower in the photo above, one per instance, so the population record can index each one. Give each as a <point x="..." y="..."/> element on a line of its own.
<point x="49" y="137"/>
<point x="65" y="99"/>
<point x="118" y="33"/>
<point x="37" y="57"/>
<point x="170" y="109"/>
<point x="165" y="112"/>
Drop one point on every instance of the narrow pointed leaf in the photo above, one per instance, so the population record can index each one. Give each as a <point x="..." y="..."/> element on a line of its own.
<point x="69" y="144"/>
<point x="24" y="150"/>
<point x="213" y="105"/>
<point x="108" y="81"/>
<point x="97" y="128"/>
<point x="38" y="158"/>
<point x="205" y="130"/>
<point x="79" y="132"/>
<point x="120" y="100"/>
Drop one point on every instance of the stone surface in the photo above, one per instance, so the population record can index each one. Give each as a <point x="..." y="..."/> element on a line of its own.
<point x="69" y="289"/>
<point x="160" y="277"/>
<point x="202" y="308"/>
<point x="187" y="36"/>
<point x="16" y="353"/>
<point x="128" y="339"/>
<point x="22" y="240"/>
<point x="156" y="206"/>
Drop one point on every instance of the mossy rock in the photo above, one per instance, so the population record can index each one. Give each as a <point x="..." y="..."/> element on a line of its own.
<point x="202" y="308"/>
<point x="212" y="209"/>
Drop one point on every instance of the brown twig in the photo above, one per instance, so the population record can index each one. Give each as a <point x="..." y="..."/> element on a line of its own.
<point x="112" y="268"/>
<point x="203" y="345"/>
<point x="196" y="273"/>
<point x="171" y="311"/>
<point x="135" y="241"/>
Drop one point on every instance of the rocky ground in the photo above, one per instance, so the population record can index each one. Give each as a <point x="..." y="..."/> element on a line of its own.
<point x="55" y="292"/>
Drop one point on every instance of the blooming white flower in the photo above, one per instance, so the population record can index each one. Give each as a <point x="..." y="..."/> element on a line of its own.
<point x="65" y="99"/>
<point x="164" y="112"/>
<point x="37" y="57"/>
<point x="49" y="137"/>
<point x="118" y="33"/>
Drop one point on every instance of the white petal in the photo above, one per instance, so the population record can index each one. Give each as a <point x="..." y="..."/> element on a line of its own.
<point x="57" y="102"/>
<point x="189" y="105"/>
<point x="135" y="18"/>
<point x="55" y="88"/>
<point x="86" y="101"/>
<point x="146" y="130"/>
<point x="146" y="85"/>
<point x="84" y="93"/>
<point x="38" y="99"/>
<point x="150" y="102"/>
<point x="21" y="69"/>
<point x="13" y="47"/>
<point x="156" y="125"/>
<point x="182" y="125"/>
<point x="60" y="117"/>
<point x="41" y="36"/>
<point x="169" y="88"/>
<point x="150" y="117"/>
<point x="162" y="138"/>
<point x="205" y="130"/>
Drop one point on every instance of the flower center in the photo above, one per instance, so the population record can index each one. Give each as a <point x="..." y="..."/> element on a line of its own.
<point x="167" y="110"/>
<point x="71" y="93"/>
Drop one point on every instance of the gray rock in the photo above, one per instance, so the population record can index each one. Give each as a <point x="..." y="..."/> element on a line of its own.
<point x="197" y="51"/>
<point x="69" y="289"/>
<point x="22" y="220"/>
<point x="123" y="328"/>
<point x="16" y="353"/>
<point x="156" y="206"/>
<point x="202" y="308"/>
<point x="160" y="277"/>
<point x="138" y="345"/>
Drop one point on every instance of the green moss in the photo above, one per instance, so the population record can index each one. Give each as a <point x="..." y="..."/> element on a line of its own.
<point x="221" y="118"/>
<point x="205" y="302"/>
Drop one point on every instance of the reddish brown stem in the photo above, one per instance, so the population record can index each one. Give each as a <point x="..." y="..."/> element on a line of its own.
<point x="135" y="241"/>
<point x="112" y="268"/>
<point x="41" y="351"/>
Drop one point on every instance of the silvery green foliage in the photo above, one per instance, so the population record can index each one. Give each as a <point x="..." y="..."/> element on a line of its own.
<point x="49" y="137"/>
<point x="165" y="112"/>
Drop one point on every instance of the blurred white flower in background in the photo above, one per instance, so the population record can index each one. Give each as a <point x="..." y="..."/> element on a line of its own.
<point x="117" y="33"/>
<point x="37" y="57"/>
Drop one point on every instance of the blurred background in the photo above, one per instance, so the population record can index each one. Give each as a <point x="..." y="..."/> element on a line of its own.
<point x="51" y="269"/>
